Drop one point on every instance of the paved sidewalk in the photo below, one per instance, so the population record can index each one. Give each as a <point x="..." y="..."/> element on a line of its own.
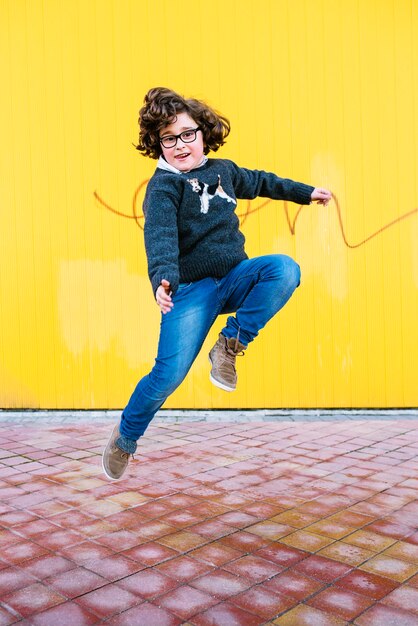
<point x="303" y="522"/>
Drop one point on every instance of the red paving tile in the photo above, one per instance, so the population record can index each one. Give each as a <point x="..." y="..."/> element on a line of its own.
<point x="66" y="614"/>
<point x="215" y="524"/>
<point x="72" y="584"/>
<point x="183" y="568"/>
<point x="380" y="615"/>
<point x="263" y="603"/>
<point x="186" y="601"/>
<point x="223" y="614"/>
<point x="146" y="613"/>
<point x="107" y="601"/>
<point x="341" y="603"/>
<point x="32" y="599"/>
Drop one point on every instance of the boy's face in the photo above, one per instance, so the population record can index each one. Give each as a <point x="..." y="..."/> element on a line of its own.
<point x="184" y="156"/>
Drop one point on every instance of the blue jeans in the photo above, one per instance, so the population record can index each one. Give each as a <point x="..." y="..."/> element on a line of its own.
<point x="255" y="289"/>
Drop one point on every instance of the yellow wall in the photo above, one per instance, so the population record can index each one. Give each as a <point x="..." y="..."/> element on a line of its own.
<point x="322" y="91"/>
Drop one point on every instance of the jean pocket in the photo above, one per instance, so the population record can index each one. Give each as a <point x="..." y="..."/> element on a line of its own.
<point x="183" y="286"/>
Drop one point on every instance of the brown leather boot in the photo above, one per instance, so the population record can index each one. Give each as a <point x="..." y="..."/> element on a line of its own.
<point x="222" y="357"/>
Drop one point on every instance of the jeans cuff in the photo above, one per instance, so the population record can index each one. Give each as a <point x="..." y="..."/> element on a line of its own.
<point x="125" y="444"/>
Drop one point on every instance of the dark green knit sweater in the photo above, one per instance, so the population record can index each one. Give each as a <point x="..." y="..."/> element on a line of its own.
<point x="191" y="229"/>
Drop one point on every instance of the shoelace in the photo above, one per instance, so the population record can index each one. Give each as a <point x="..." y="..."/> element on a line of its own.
<point x="123" y="453"/>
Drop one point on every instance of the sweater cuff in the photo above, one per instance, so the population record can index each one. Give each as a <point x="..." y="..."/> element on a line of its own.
<point x="304" y="193"/>
<point x="173" y="279"/>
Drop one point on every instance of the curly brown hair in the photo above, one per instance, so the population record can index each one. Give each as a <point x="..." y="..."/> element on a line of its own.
<point x="161" y="107"/>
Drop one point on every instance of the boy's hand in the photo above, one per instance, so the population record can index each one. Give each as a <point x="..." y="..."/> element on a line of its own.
<point x="321" y="195"/>
<point x="163" y="297"/>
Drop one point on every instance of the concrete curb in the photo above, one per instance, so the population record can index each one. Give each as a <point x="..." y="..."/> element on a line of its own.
<point x="167" y="416"/>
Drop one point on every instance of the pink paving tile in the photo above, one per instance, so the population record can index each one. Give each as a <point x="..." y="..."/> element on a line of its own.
<point x="405" y="598"/>
<point x="107" y="601"/>
<point x="390" y="529"/>
<point x="254" y="568"/>
<point x="150" y="553"/>
<point x="153" y="510"/>
<point x="245" y="541"/>
<point x="293" y="584"/>
<point x="19" y="552"/>
<point x="261" y="510"/>
<point x="233" y="500"/>
<point x="119" y="540"/>
<point x="114" y="567"/>
<point x="72" y="519"/>
<point x="238" y="519"/>
<point x="186" y="601"/>
<point x="263" y="603"/>
<point x="225" y="614"/>
<point x="8" y="538"/>
<point x="183" y="568"/>
<point x="146" y="614"/>
<point x="15" y="517"/>
<point x="49" y="509"/>
<point x="12" y="579"/>
<point x="59" y="539"/>
<point x="341" y="603"/>
<point x="322" y="569"/>
<point x="221" y="584"/>
<point x="33" y="599"/>
<point x="281" y="554"/>
<point x="367" y="584"/>
<point x="76" y="583"/>
<point x="148" y="584"/>
<point x="34" y="528"/>
<point x="66" y="614"/>
<point x="380" y="615"/>
<point x="85" y="551"/>
<point x="7" y="617"/>
<point x="180" y="519"/>
<point x="48" y="565"/>
<point x="97" y="529"/>
<point x="270" y="530"/>
<point x="212" y="528"/>
<point x="412" y="539"/>
<point x="216" y="554"/>
<point x="156" y="490"/>
<point x="153" y="529"/>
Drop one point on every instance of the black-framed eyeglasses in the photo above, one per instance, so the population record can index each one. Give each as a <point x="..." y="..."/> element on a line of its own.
<point x="187" y="136"/>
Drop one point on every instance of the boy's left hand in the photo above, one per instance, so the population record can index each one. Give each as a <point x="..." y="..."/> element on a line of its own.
<point x="321" y="195"/>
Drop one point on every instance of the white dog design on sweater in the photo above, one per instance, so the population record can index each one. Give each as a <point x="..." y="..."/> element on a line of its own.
<point x="207" y="192"/>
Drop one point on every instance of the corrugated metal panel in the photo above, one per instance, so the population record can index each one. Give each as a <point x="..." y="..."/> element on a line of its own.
<point x="319" y="91"/>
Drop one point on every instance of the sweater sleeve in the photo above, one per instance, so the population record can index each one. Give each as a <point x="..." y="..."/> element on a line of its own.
<point x="161" y="238"/>
<point x="250" y="184"/>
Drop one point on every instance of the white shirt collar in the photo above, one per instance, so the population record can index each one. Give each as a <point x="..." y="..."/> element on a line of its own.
<point x="163" y="165"/>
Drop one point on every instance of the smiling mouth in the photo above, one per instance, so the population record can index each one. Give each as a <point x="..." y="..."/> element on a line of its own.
<point x="182" y="156"/>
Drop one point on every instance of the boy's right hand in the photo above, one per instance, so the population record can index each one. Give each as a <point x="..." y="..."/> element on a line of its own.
<point x="163" y="297"/>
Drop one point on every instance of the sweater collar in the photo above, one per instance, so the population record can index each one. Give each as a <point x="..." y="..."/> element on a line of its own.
<point x="163" y="165"/>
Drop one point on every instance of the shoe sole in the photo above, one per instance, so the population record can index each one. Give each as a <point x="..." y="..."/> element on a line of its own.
<point x="216" y="382"/>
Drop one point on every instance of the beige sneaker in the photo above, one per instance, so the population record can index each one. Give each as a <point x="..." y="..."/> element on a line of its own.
<point x="222" y="357"/>
<point x="115" y="459"/>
